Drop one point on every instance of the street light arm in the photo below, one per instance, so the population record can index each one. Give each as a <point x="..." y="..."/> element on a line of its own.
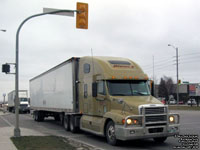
<point x="17" y="130"/>
<point x="172" y="46"/>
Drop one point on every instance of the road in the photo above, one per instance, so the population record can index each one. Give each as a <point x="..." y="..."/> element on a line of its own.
<point x="190" y="125"/>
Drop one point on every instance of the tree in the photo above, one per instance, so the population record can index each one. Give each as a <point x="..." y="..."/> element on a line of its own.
<point x="166" y="87"/>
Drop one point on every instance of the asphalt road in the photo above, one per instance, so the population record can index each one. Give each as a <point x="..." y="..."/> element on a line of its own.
<point x="190" y="126"/>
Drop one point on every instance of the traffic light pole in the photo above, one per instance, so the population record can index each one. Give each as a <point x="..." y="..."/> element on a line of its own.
<point x="17" y="129"/>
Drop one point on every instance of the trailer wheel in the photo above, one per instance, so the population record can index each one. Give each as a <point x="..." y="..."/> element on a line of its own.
<point x="66" y="123"/>
<point x="72" y="124"/>
<point x="38" y="116"/>
<point x="160" y="139"/>
<point x="35" y="115"/>
<point x="110" y="133"/>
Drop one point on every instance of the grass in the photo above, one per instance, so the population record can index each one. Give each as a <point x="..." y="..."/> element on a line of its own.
<point x="175" y="107"/>
<point x="42" y="143"/>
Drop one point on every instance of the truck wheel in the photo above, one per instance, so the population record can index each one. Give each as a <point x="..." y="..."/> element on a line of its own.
<point x="61" y="119"/>
<point x="57" y="117"/>
<point x="35" y="116"/>
<point x="110" y="133"/>
<point x="72" y="124"/>
<point x="160" y="139"/>
<point x="66" y="123"/>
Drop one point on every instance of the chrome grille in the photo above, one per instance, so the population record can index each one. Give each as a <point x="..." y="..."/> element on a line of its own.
<point x="155" y="110"/>
<point x="155" y="118"/>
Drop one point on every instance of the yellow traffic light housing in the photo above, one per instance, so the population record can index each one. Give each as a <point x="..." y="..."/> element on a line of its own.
<point x="179" y="82"/>
<point x="82" y="16"/>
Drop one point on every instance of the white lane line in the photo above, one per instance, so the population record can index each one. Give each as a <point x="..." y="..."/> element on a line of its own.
<point x="6" y="121"/>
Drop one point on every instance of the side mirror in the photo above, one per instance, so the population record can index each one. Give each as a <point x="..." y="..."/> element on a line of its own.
<point x="152" y="87"/>
<point x="94" y="89"/>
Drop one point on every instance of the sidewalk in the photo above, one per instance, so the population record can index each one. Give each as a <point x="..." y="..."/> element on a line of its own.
<point x="7" y="132"/>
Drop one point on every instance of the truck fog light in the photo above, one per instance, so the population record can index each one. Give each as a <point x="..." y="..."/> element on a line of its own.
<point x="129" y="121"/>
<point x="171" y="119"/>
<point x="132" y="132"/>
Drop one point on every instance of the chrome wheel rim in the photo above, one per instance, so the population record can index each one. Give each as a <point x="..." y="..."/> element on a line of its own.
<point x="111" y="132"/>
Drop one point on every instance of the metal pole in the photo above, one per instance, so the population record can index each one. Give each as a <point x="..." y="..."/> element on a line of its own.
<point x="17" y="130"/>
<point x="153" y="78"/>
<point x="177" y="91"/>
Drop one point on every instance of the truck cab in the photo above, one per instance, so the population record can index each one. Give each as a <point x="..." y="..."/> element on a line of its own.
<point x="115" y="101"/>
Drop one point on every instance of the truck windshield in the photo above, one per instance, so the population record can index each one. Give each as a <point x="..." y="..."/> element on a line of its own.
<point x="23" y="99"/>
<point x="128" y="88"/>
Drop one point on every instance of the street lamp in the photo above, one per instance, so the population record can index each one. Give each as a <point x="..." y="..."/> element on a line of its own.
<point x="177" y="89"/>
<point x="61" y="12"/>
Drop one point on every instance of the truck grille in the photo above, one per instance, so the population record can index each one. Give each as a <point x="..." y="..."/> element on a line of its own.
<point x="155" y="110"/>
<point x="155" y="118"/>
<point x="23" y="105"/>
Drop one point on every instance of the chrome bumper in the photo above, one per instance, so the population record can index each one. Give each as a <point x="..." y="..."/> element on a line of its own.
<point x="147" y="129"/>
<point x="130" y="133"/>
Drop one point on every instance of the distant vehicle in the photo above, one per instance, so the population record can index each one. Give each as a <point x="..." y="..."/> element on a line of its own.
<point x="23" y="101"/>
<point x="162" y="99"/>
<point x="191" y="102"/>
<point x="106" y="96"/>
<point x="181" y="102"/>
<point x="172" y="101"/>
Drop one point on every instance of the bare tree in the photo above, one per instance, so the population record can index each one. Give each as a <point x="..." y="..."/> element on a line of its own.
<point x="166" y="87"/>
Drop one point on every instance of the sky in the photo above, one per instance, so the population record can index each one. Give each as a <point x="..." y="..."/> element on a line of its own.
<point x="136" y="29"/>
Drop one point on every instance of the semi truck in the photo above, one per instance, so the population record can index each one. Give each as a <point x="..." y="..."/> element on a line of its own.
<point x="23" y="101"/>
<point x="106" y="96"/>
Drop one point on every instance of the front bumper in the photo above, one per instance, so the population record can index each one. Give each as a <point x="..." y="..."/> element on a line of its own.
<point x="131" y="133"/>
<point x="24" y="109"/>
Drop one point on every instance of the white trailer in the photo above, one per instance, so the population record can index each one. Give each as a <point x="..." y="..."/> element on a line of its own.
<point x="53" y="93"/>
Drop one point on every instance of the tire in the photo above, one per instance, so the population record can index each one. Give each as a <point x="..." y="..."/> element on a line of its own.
<point x="110" y="133"/>
<point x="38" y="116"/>
<point x="160" y="139"/>
<point x="57" y="117"/>
<point x="73" y="128"/>
<point x="61" y="119"/>
<point x="66" y="123"/>
<point x="35" y="115"/>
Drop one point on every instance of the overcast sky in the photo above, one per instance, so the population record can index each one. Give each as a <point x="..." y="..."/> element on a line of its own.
<point x="136" y="29"/>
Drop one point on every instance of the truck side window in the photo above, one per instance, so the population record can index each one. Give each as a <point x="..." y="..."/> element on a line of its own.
<point x="86" y="68"/>
<point x="101" y="88"/>
<point x="85" y="91"/>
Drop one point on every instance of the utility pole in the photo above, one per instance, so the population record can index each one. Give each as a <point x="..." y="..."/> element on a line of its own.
<point x="153" y="77"/>
<point x="177" y="91"/>
<point x="177" y="86"/>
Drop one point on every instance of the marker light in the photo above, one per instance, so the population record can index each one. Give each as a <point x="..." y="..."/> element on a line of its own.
<point x="135" y="121"/>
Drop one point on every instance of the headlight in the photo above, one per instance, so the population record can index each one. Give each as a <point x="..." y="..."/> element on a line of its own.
<point x="129" y="121"/>
<point x="171" y="119"/>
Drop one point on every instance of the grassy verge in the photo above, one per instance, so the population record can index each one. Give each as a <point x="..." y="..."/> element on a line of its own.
<point x="42" y="143"/>
<point x="174" y="107"/>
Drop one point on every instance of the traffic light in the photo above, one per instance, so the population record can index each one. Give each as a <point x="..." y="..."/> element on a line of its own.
<point x="6" y="68"/>
<point x="179" y="82"/>
<point x="82" y="16"/>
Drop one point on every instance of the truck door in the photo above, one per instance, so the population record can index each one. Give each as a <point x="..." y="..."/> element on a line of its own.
<point x="101" y="99"/>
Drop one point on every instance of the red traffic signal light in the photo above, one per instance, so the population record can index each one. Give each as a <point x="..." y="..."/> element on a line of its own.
<point x="82" y="16"/>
